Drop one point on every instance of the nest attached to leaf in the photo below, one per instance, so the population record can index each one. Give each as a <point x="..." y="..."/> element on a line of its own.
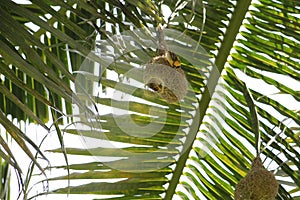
<point x="258" y="184"/>
<point x="168" y="81"/>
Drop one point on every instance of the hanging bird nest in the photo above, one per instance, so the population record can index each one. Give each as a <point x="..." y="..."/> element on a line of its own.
<point x="164" y="75"/>
<point x="258" y="184"/>
<point x="169" y="83"/>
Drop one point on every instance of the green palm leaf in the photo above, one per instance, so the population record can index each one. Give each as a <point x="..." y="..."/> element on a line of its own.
<point x="144" y="147"/>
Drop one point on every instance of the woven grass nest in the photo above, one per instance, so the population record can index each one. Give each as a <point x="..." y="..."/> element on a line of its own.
<point x="258" y="184"/>
<point x="169" y="82"/>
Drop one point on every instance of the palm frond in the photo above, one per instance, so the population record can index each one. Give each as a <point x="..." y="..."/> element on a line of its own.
<point x="64" y="55"/>
<point x="261" y="55"/>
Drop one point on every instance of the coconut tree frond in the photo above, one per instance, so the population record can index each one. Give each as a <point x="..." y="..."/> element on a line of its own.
<point x="35" y="69"/>
<point x="182" y="121"/>
<point x="258" y="56"/>
<point x="118" y="132"/>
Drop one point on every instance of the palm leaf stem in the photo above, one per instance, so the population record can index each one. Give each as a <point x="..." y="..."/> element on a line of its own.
<point x="233" y="29"/>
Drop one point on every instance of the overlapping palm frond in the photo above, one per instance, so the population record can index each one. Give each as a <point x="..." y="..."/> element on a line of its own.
<point x="265" y="58"/>
<point x="91" y="55"/>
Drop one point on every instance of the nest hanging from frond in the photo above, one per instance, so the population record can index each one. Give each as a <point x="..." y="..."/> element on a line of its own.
<point x="164" y="75"/>
<point x="258" y="184"/>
